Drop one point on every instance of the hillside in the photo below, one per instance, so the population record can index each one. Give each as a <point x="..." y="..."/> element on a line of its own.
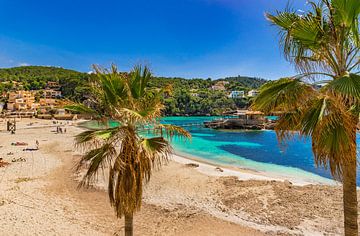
<point x="189" y="96"/>
<point x="73" y="83"/>
<point x="244" y="81"/>
<point x="238" y="82"/>
<point x="37" y="72"/>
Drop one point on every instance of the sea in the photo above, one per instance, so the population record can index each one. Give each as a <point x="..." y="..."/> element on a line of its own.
<point x="257" y="150"/>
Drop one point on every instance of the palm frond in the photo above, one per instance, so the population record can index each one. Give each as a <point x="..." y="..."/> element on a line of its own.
<point x="81" y="108"/>
<point x="157" y="149"/>
<point x="283" y="95"/>
<point x="139" y="78"/>
<point x="169" y="131"/>
<point x="91" y="138"/>
<point x="146" y="115"/>
<point x="334" y="135"/>
<point x="346" y="14"/>
<point x="287" y="125"/>
<point x="347" y="87"/>
<point x="95" y="160"/>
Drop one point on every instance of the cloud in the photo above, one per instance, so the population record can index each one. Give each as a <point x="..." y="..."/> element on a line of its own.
<point x="23" y="64"/>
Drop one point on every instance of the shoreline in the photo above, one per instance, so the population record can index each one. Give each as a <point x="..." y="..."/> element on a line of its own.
<point x="246" y="173"/>
<point x="209" y="168"/>
<point x="40" y="196"/>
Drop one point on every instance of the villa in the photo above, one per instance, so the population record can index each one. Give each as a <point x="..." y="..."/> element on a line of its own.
<point x="253" y="93"/>
<point x="237" y="94"/>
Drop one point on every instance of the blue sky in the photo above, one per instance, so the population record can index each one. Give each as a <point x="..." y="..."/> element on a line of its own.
<point x="187" y="38"/>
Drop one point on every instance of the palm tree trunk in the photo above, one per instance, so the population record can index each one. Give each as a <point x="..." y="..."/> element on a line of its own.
<point x="129" y="225"/>
<point x="350" y="199"/>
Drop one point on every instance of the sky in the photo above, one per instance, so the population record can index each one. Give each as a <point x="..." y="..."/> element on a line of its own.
<point x="176" y="38"/>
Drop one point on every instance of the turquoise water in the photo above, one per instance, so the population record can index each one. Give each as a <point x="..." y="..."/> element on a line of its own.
<point x="256" y="150"/>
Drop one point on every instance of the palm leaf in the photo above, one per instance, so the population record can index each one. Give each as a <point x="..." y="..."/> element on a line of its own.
<point x="170" y="131"/>
<point x="284" y="95"/>
<point x="96" y="159"/>
<point x="81" y="108"/>
<point x="347" y="86"/>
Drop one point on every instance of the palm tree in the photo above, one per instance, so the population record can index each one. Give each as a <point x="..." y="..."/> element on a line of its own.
<point x="124" y="151"/>
<point x="323" y="100"/>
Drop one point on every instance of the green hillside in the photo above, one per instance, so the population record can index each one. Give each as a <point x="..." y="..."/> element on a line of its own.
<point x="73" y="83"/>
<point x="189" y="96"/>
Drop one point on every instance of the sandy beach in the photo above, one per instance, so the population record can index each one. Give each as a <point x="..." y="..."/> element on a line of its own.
<point x="39" y="195"/>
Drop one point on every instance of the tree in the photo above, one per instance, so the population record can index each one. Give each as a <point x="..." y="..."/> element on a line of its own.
<point x="129" y="156"/>
<point x="323" y="44"/>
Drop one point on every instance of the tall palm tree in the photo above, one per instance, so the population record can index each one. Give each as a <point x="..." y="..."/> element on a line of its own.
<point x="127" y="154"/>
<point x="323" y="100"/>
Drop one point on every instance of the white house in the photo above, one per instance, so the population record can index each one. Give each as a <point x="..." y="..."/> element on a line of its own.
<point x="237" y="94"/>
<point x="253" y="93"/>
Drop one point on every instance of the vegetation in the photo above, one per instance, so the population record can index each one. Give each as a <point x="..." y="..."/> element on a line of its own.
<point x="194" y="96"/>
<point x="235" y="83"/>
<point x="129" y="156"/>
<point x="189" y="96"/>
<point x="74" y="85"/>
<point x="323" y="44"/>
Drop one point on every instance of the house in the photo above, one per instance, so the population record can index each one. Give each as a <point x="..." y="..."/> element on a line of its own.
<point x="61" y="112"/>
<point x="253" y="93"/>
<point x="10" y="106"/>
<point x="50" y="93"/>
<point x="21" y="100"/>
<point x="237" y="94"/>
<point x="35" y="106"/>
<point x="47" y="102"/>
<point x="52" y="85"/>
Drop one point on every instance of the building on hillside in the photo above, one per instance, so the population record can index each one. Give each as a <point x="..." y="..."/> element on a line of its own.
<point x="52" y="85"/>
<point x="253" y="93"/>
<point x="61" y="112"/>
<point x="21" y="100"/>
<point x="47" y="102"/>
<point x="13" y="85"/>
<point x="237" y="94"/>
<point x="51" y="93"/>
<point x="26" y="95"/>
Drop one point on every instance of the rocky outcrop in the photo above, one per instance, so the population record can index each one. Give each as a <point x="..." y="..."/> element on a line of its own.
<point x="239" y="124"/>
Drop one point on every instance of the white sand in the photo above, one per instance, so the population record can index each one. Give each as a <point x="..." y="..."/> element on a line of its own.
<point x="39" y="196"/>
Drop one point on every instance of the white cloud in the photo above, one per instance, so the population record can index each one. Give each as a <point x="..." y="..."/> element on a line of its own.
<point x="24" y="64"/>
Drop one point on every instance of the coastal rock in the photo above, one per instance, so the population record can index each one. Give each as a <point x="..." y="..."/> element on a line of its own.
<point x="193" y="165"/>
<point x="219" y="169"/>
